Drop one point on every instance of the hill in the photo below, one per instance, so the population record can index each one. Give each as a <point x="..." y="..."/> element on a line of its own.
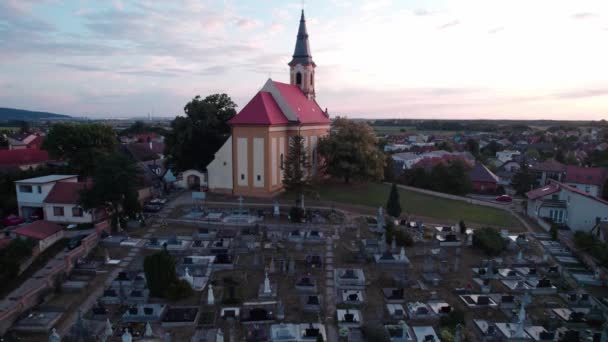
<point x="11" y="114"/>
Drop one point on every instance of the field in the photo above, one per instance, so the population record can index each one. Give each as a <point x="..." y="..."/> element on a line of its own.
<point x="376" y="194"/>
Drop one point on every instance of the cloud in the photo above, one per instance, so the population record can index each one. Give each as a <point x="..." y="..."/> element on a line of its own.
<point x="496" y="30"/>
<point x="584" y="16"/>
<point x="582" y="93"/>
<point x="248" y="24"/>
<point x="449" y="25"/>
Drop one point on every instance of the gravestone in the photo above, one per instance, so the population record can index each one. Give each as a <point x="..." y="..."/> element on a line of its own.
<point x="456" y="264"/>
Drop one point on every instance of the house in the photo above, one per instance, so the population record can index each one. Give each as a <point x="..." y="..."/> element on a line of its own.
<point x="61" y="204"/>
<point x="482" y="179"/>
<point x="589" y="179"/>
<point x="25" y="141"/>
<point x="22" y="159"/>
<point x="548" y="170"/>
<point x="566" y="205"/>
<point x="260" y="133"/>
<point x="44" y="233"/>
<point x="53" y="198"/>
<point x="506" y="155"/>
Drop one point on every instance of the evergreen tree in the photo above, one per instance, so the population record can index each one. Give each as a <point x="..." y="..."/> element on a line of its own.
<point x="160" y="273"/>
<point x="523" y="180"/>
<point x="295" y="176"/>
<point x="393" y="207"/>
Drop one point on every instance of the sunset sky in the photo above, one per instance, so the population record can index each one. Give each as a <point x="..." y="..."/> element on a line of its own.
<point x="459" y="59"/>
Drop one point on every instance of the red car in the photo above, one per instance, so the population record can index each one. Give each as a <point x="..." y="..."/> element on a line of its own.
<point x="12" y="220"/>
<point x="504" y="198"/>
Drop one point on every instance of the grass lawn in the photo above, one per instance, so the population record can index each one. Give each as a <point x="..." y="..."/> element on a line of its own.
<point x="376" y="194"/>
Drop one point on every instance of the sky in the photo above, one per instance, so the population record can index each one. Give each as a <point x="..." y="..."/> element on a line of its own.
<point x="449" y="59"/>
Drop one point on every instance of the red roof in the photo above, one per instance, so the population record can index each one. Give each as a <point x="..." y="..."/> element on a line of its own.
<point x="550" y="165"/>
<point x="145" y="137"/>
<point x="38" y="230"/>
<point x="264" y="110"/>
<point x="308" y="111"/>
<point x="65" y="193"/>
<point x="585" y="175"/>
<point x="23" y="156"/>
<point x="544" y="191"/>
<point x="261" y="110"/>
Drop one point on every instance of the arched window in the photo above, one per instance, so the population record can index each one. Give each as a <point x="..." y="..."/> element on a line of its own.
<point x="281" y="161"/>
<point x="299" y="79"/>
<point x="312" y="77"/>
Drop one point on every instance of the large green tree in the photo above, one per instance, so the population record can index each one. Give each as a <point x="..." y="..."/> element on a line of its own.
<point x="160" y="273"/>
<point x="114" y="187"/>
<point x="524" y="180"/>
<point x="195" y="138"/>
<point x="351" y="151"/>
<point x="81" y="144"/>
<point x="295" y="165"/>
<point x="393" y="207"/>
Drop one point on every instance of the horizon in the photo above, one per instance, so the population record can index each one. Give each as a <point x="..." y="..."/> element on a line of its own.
<point x="127" y="58"/>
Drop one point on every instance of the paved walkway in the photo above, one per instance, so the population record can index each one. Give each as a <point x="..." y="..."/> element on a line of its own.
<point x="330" y="291"/>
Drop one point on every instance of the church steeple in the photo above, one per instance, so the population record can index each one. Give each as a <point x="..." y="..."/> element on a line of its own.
<point x="301" y="54"/>
<point x="302" y="67"/>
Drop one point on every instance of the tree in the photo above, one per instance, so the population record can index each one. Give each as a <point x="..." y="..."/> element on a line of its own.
<point x="389" y="170"/>
<point x="523" y="180"/>
<point x="81" y="144"/>
<point x="295" y="175"/>
<point x="350" y="151"/>
<point x="489" y="240"/>
<point x="114" y="187"/>
<point x="444" y="145"/>
<point x="393" y="207"/>
<point x="195" y="138"/>
<point x="473" y="147"/>
<point x="532" y="154"/>
<point x="160" y="273"/>
<point x="458" y="182"/>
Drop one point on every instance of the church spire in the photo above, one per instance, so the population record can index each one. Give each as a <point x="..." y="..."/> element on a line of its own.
<point x="301" y="54"/>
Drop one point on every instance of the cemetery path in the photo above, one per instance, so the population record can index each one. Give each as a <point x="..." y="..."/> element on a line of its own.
<point x="330" y="292"/>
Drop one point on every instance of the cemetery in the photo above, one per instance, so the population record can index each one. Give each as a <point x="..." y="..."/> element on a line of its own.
<point x="341" y="276"/>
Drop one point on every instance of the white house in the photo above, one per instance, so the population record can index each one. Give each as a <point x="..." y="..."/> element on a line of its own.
<point x="506" y="155"/>
<point x="32" y="192"/>
<point x="53" y="198"/>
<point x="564" y="204"/>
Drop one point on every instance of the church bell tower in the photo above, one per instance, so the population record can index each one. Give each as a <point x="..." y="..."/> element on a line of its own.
<point x="301" y="67"/>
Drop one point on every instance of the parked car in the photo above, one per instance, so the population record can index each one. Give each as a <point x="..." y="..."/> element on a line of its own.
<point x="152" y="208"/>
<point x="160" y="201"/>
<point x="504" y="198"/>
<point x="12" y="220"/>
<point x="75" y="241"/>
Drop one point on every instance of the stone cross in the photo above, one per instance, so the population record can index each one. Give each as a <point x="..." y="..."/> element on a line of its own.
<point x="54" y="336"/>
<point x="219" y="335"/>
<point x="210" y="296"/>
<point x="402" y="254"/>
<point x="276" y="210"/>
<point x="126" y="336"/>
<point x="108" y="330"/>
<point x="267" y="289"/>
<point x="148" y="330"/>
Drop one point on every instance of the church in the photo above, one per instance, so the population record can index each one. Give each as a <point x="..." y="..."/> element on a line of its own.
<point x="251" y="161"/>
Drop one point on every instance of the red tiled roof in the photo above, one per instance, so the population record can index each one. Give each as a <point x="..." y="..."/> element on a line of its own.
<point x="65" y="193"/>
<point x="308" y="111"/>
<point x="585" y="175"/>
<point x="550" y="165"/>
<point x="544" y="191"/>
<point x="145" y="137"/>
<point x="39" y="230"/>
<point x="261" y="110"/>
<point x="23" y="156"/>
<point x="480" y="173"/>
<point x="36" y="143"/>
<point x="264" y="110"/>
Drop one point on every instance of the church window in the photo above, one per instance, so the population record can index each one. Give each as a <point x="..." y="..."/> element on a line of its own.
<point x="259" y="178"/>
<point x="281" y="161"/>
<point x="298" y="78"/>
<point x="242" y="176"/>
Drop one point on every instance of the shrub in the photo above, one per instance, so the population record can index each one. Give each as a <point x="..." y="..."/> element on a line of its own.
<point x="178" y="290"/>
<point x="375" y="333"/>
<point x="402" y="238"/>
<point x="452" y="319"/>
<point x="160" y="273"/>
<point x="489" y="241"/>
<point x="296" y="214"/>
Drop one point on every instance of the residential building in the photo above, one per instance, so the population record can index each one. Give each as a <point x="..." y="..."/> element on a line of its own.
<point x="25" y="141"/>
<point x="22" y="159"/>
<point x="589" y="179"/>
<point x="54" y="198"/>
<point x="567" y="205"/>
<point x="548" y="170"/>
<point x="482" y="179"/>
<point x="506" y="155"/>
<point x="44" y="233"/>
<point x="254" y="156"/>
